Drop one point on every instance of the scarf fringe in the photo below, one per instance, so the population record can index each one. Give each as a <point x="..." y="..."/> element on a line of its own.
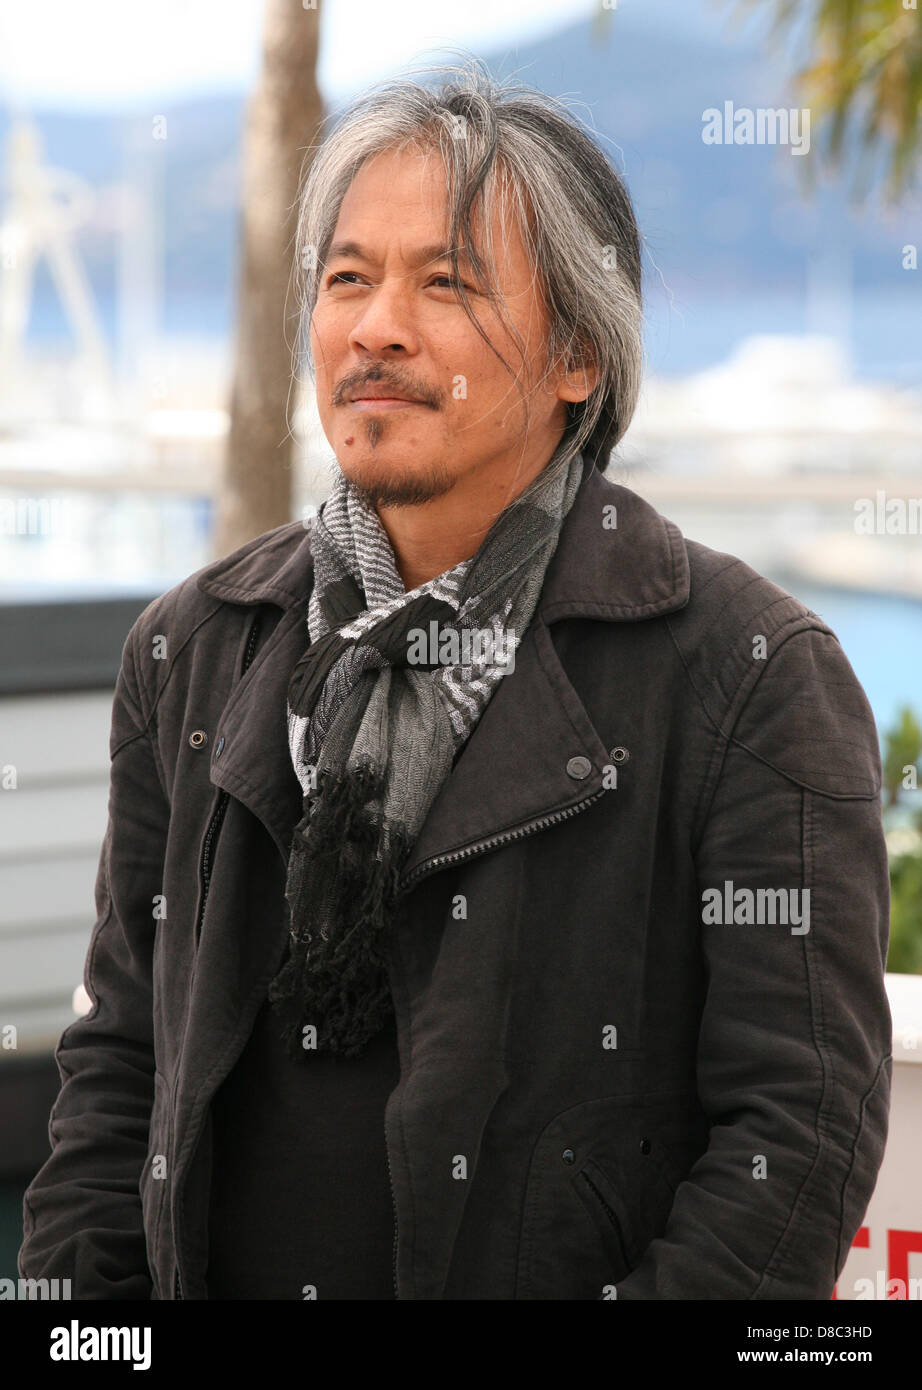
<point x="345" y="869"/>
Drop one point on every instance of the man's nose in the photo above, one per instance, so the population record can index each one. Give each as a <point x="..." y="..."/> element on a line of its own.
<point x="386" y="322"/>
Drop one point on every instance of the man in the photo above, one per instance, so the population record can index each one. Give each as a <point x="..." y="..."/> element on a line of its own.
<point x="494" y="898"/>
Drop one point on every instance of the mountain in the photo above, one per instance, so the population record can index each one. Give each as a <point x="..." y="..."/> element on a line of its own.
<point x="726" y="225"/>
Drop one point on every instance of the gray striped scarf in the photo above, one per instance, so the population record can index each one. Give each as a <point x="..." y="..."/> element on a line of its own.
<point x="380" y="705"/>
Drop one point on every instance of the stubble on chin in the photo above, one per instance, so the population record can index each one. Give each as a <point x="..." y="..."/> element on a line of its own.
<point x="396" y="489"/>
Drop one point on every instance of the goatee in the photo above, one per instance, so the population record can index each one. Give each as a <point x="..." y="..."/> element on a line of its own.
<point x="395" y="489"/>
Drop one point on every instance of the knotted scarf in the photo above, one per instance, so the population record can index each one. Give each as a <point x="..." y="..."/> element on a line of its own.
<point x="380" y="704"/>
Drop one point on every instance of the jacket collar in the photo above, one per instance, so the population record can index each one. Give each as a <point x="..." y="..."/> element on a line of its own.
<point x="617" y="559"/>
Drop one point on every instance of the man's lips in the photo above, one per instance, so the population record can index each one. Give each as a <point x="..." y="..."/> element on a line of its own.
<point x="372" y="395"/>
<point x="366" y="403"/>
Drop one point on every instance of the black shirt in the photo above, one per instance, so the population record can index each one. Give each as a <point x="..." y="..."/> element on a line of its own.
<point x="300" y="1191"/>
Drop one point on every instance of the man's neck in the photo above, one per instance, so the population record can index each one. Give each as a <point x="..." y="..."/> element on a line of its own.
<point x="432" y="537"/>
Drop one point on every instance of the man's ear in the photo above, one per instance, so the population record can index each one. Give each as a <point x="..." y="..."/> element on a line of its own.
<point x="577" y="380"/>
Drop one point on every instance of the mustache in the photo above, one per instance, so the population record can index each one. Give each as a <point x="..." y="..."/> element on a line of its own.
<point x="402" y="382"/>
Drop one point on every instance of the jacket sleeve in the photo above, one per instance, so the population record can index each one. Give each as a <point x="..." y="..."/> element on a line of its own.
<point x="82" y="1211"/>
<point x="794" y="1051"/>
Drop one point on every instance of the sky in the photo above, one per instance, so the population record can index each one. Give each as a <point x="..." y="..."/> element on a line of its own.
<point x="110" y="54"/>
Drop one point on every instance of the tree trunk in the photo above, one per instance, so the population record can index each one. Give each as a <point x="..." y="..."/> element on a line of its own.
<point x="282" y="120"/>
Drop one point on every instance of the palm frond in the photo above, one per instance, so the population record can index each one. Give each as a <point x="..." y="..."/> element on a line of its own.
<point x="861" y="75"/>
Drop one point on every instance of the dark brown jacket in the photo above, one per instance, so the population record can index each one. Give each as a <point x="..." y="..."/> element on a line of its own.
<point x="651" y="1104"/>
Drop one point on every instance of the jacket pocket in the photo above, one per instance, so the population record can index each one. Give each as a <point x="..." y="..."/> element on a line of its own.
<point x="154" y="1183"/>
<point x="605" y="1207"/>
<point x="600" y="1187"/>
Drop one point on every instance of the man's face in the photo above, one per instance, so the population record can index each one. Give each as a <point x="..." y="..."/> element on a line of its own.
<point x="411" y="398"/>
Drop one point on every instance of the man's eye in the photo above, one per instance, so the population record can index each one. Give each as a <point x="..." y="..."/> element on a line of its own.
<point x="449" y="282"/>
<point x="343" y="277"/>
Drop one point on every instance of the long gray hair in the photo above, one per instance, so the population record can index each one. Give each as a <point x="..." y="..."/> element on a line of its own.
<point x="502" y="145"/>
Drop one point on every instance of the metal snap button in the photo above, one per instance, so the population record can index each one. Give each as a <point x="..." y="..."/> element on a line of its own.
<point x="568" y="1156"/>
<point x="619" y="755"/>
<point x="198" y="738"/>
<point x="579" y="768"/>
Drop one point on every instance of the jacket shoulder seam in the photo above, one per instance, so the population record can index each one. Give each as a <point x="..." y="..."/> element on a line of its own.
<point x="733" y="709"/>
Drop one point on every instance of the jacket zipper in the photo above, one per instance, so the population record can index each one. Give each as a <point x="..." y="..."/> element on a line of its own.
<point x="211" y="835"/>
<point x="205" y="872"/>
<point x="440" y="860"/>
<point x="394" y="1206"/>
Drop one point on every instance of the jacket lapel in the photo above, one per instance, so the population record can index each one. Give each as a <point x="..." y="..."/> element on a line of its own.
<point x="255" y="764"/>
<point x="513" y="770"/>
<point x="617" y="560"/>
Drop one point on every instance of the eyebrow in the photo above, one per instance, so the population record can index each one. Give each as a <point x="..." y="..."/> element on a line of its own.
<point x="423" y="255"/>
